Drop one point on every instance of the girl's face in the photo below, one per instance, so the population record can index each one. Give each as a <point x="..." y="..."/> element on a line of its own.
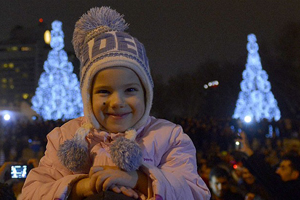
<point x="117" y="99"/>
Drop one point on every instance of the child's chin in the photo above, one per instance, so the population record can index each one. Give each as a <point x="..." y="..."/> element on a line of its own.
<point x="118" y="126"/>
<point x="117" y="129"/>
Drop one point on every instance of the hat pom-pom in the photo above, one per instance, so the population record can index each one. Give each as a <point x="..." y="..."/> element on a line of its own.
<point x="126" y="154"/>
<point x="73" y="153"/>
<point x="93" y="19"/>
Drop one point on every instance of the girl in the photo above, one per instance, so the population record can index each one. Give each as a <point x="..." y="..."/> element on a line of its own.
<point x="116" y="145"/>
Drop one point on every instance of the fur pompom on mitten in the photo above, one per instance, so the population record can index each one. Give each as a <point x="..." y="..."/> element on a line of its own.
<point x="126" y="154"/>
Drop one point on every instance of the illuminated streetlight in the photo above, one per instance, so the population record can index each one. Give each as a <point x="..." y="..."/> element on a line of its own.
<point x="6" y="117"/>
<point x="212" y="84"/>
<point x="47" y="37"/>
<point x="247" y="119"/>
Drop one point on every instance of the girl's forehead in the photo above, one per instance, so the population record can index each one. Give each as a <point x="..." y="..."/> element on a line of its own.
<point x="116" y="74"/>
<point x="116" y="70"/>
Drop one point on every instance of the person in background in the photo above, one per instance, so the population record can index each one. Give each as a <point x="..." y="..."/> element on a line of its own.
<point x="5" y="171"/>
<point x="6" y="192"/>
<point x="283" y="183"/>
<point x="15" y="184"/>
<point x="219" y="183"/>
<point x="251" y="188"/>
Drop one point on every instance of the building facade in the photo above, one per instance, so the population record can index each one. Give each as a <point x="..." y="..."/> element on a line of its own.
<point x="22" y="58"/>
<point x="21" y="63"/>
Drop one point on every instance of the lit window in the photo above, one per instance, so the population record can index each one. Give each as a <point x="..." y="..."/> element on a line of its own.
<point x="4" y="80"/>
<point x="5" y="65"/>
<point x="26" y="49"/>
<point x="47" y="37"/>
<point x="4" y="86"/>
<point x="25" y="95"/>
<point x="11" y="65"/>
<point x="12" y="86"/>
<point x="17" y="70"/>
<point x="25" y="75"/>
<point x="14" y="48"/>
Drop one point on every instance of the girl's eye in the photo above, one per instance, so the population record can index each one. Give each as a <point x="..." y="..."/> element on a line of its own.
<point x="131" y="90"/>
<point x="102" y="92"/>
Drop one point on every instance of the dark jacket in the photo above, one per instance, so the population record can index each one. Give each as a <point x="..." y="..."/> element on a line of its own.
<point x="230" y="196"/>
<point x="277" y="188"/>
<point x="255" y="188"/>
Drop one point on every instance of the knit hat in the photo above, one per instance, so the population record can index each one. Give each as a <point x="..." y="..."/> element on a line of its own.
<point x="100" y="42"/>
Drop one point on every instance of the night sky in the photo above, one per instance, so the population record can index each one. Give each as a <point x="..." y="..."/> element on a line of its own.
<point x="178" y="34"/>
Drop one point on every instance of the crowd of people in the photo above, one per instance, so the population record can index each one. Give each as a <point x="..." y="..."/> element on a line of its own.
<point x="231" y="172"/>
<point x="214" y="139"/>
<point x="21" y="140"/>
<point x="24" y="139"/>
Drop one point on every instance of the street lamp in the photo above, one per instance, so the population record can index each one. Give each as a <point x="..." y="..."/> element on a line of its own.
<point x="47" y="37"/>
<point x="6" y="117"/>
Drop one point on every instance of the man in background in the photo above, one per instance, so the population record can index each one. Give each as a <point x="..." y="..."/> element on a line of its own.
<point x="220" y="187"/>
<point x="284" y="183"/>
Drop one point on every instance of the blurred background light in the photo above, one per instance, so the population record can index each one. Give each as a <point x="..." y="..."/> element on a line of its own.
<point x="6" y="117"/>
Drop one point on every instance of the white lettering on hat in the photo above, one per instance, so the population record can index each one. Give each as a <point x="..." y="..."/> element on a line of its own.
<point x="113" y="42"/>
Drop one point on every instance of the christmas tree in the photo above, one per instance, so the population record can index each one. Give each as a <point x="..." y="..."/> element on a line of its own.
<point x="57" y="95"/>
<point x="255" y="101"/>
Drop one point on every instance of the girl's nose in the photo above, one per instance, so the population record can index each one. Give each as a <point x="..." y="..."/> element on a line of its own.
<point x="117" y="100"/>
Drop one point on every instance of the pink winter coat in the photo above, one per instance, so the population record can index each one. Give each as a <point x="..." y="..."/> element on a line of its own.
<point x="169" y="161"/>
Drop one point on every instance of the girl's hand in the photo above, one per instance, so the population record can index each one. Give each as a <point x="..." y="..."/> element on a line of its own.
<point x="110" y="177"/>
<point x="125" y="190"/>
<point x="81" y="189"/>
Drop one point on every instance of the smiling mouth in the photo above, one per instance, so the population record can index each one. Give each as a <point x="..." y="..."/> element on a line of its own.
<point x="117" y="116"/>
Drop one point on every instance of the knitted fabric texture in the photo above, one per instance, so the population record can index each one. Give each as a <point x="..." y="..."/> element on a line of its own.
<point x="96" y="19"/>
<point x="100" y="42"/>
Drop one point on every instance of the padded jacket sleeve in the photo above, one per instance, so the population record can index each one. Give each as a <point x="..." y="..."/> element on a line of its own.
<point x="50" y="180"/>
<point x="174" y="176"/>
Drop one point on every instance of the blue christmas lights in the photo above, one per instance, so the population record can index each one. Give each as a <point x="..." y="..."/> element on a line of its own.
<point x="255" y="101"/>
<point x="58" y="94"/>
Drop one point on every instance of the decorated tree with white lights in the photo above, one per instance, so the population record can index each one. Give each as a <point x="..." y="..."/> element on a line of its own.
<point x="58" y="94"/>
<point x="255" y="101"/>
